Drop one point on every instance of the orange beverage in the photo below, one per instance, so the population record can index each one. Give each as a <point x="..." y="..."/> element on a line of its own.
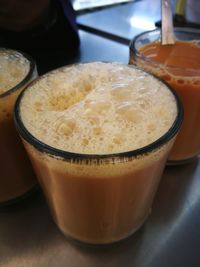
<point x="98" y="135"/>
<point x="16" y="173"/>
<point x="179" y="66"/>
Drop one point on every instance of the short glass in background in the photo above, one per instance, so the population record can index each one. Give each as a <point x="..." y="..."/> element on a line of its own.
<point x="98" y="188"/>
<point x="179" y="66"/>
<point x="17" y="178"/>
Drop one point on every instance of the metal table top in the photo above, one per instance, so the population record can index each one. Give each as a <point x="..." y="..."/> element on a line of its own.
<point x="122" y="22"/>
<point x="170" y="236"/>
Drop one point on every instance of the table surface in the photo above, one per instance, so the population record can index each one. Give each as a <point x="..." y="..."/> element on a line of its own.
<point x="122" y="22"/>
<point x="169" y="238"/>
<point x="95" y="47"/>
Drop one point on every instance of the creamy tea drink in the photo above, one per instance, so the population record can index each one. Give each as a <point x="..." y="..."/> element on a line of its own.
<point x="16" y="172"/>
<point x="178" y="65"/>
<point x="98" y="135"/>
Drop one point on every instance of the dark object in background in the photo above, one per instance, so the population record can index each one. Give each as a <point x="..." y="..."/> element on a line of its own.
<point x="180" y="21"/>
<point x="181" y="18"/>
<point x="52" y="44"/>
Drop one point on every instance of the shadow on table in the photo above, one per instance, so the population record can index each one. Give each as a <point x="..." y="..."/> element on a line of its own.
<point x="123" y="253"/>
<point x="176" y="192"/>
<point x="24" y="228"/>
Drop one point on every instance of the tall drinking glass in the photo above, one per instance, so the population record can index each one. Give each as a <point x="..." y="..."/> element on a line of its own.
<point x="98" y="146"/>
<point x="179" y="66"/>
<point x="17" y="178"/>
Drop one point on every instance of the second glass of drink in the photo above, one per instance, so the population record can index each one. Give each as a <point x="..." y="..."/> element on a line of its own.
<point x="17" y="177"/>
<point x="179" y="66"/>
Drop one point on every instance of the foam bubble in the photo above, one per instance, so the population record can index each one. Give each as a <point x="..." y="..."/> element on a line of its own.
<point x="98" y="108"/>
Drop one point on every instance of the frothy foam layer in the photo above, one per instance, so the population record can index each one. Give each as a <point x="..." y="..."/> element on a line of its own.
<point x="13" y="69"/>
<point x="98" y="108"/>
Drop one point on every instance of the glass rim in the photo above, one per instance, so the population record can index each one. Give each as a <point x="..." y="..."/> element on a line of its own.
<point x="66" y="155"/>
<point x="24" y="81"/>
<point x="158" y="30"/>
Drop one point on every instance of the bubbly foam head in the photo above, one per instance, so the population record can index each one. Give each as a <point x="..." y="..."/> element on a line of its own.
<point x="98" y="108"/>
<point x="13" y="69"/>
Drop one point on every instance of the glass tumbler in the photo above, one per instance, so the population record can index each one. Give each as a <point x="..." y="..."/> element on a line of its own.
<point x="94" y="198"/>
<point x="17" y="70"/>
<point x="181" y="70"/>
